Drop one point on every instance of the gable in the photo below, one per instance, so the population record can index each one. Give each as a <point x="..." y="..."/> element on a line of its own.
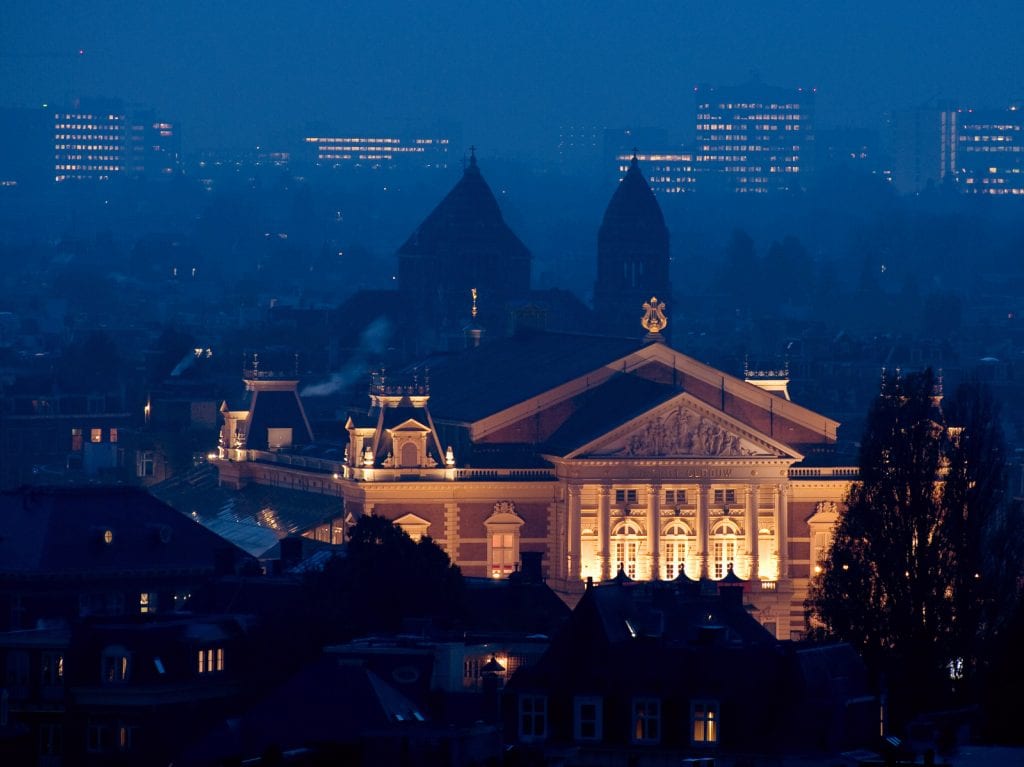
<point x="684" y="428"/>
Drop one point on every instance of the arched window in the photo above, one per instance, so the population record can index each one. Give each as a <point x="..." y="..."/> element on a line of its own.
<point x="627" y="539"/>
<point x="410" y="455"/>
<point x="725" y="547"/>
<point x="674" y="548"/>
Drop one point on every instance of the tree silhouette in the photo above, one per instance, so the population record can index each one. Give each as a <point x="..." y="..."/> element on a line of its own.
<point x="384" y="579"/>
<point x="913" y="575"/>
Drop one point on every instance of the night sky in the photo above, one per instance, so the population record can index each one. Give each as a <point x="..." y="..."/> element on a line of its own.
<point x="237" y="74"/>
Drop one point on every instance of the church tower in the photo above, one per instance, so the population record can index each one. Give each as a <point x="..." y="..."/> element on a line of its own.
<point x="632" y="256"/>
<point x="464" y="244"/>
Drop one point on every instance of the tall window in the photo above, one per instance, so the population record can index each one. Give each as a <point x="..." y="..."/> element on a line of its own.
<point x="725" y="547"/>
<point x="533" y="717"/>
<point x="587" y="719"/>
<point x="116" y="665"/>
<point x="95" y="436"/>
<point x="144" y="463"/>
<point x="51" y="669"/>
<point x="673" y="549"/>
<point x="210" y="660"/>
<point x="503" y="554"/>
<point x="76" y="440"/>
<point x="704" y="717"/>
<point x="503" y="539"/>
<point x="627" y="542"/>
<point x="646" y="720"/>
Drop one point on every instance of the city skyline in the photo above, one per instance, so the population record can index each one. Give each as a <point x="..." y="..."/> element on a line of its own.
<point x="238" y="80"/>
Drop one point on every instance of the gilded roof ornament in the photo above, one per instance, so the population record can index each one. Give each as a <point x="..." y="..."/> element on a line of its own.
<point x="654" y="320"/>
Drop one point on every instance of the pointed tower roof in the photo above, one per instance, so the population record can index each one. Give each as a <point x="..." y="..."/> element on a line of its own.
<point x="633" y="207"/>
<point x="468" y="215"/>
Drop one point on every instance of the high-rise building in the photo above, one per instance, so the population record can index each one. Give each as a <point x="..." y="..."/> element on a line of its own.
<point x="988" y="151"/>
<point x="753" y="138"/>
<point x="99" y="139"/>
<point x="669" y="172"/>
<point x="922" y="146"/>
<point x="378" y="152"/>
<point x="90" y="141"/>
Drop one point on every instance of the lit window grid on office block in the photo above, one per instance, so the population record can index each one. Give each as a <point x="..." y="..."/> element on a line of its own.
<point x="989" y="151"/>
<point x="88" y="145"/>
<point x="758" y="139"/>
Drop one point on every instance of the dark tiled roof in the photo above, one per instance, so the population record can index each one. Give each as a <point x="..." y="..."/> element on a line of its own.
<point x="468" y="216"/>
<point x="633" y="209"/>
<point x="479" y="382"/>
<point x="276" y="409"/>
<point x="61" y="531"/>
<point x="606" y="407"/>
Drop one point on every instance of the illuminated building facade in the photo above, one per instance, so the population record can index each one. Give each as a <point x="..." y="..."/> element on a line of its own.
<point x="599" y="454"/>
<point x="100" y="140"/>
<point x="90" y="142"/>
<point x="665" y="172"/>
<point x="378" y="153"/>
<point x="753" y="138"/>
<point x="987" y="151"/>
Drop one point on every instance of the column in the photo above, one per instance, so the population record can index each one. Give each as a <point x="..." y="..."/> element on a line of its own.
<point x="782" y="530"/>
<point x="451" y="531"/>
<point x="752" y="530"/>
<point x="702" y="531"/>
<point x="604" y="555"/>
<point x="654" y="530"/>
<point x="573" y="531"/>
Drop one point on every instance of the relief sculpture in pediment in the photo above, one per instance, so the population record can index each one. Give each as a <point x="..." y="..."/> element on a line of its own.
<point x="683" y="432"/>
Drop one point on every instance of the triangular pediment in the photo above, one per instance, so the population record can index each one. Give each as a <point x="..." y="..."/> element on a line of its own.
<point x="410" y="424"/>
<point x="684" y="427"/>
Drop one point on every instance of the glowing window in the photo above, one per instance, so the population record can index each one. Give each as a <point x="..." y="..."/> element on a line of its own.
<point x="646" y="720"/>
<point x="704" y="717"/>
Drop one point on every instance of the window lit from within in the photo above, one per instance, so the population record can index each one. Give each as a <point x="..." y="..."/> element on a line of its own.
<point x="503" y="554"/>
<point x="646" y="720"/>
<point x="210" y="660"/>
<point x="113" y="435"/>
<point x="96" y="435"/>
<point x="705" y="722"/>
<point x="76" y="440"/>
<point x="627" y="542"/>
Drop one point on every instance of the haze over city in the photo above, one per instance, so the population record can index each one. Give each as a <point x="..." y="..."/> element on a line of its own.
<point x="510" y="74"/>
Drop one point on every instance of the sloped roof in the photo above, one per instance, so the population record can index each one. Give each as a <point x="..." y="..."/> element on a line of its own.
<point x="605" y="407"/>
<point x="633" y="208"/>
<point x="485" y="380"/>
<point x="467" y="217"/>
<point x="253" y="518"/>
<point x="61" y="531"/>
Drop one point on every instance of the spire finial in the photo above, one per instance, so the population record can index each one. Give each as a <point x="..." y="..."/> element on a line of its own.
<point x="472" y="156"/>
<point x="635" y="161"/>
<point x="472" y="292"/>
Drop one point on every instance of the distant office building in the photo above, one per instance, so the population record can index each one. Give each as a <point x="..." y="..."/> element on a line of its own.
<point x="378" y="152"/>
<point x="90" y="141"/>
<point x="99" y="140"/>
<point x="922" y="146"/>
<point x="153" y="146"/>
<point x="666" y="172"/>
<point x="754" y="138"/>
<point x="989" y="151"/>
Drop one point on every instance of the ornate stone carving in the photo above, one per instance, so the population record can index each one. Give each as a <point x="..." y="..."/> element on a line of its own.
<point x="684" y="433"/>
<point x="654" y="320"/>
<point x="826" y="507"/>
<point x="505" y="507"/>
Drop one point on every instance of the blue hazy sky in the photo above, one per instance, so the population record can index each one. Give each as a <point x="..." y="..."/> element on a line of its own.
<point x="241" y="73"/>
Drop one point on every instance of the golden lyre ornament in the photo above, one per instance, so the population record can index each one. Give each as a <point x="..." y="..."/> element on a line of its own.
<point x="654" y="315"/>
